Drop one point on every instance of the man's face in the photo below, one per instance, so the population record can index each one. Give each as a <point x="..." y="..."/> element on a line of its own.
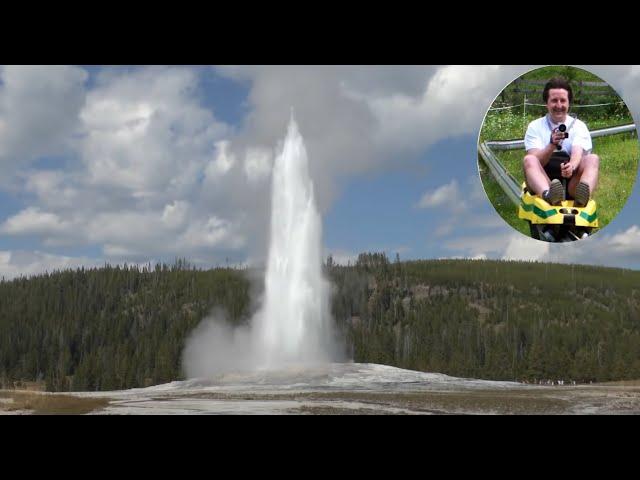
<point x="558" y="104"/>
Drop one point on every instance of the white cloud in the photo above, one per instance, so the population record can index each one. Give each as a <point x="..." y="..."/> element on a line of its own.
<point x="39" y="108"/>
<point x="257" y="164"/>
<point x="53" y="188"/>
<point x="213" y="233"/>
<point x="622" y="248"/>
<point x="520" y="247"/>
<point x="492" y="245"/>
<point x="465" y="207"/>
<point x="453" y="103"/>
<point x="360" y="119"/>
<point x="175" y="214"/>
<point x="141" y="187"/>
<point x="136" y="234"/>
<point x="627" y="242"/>
<point x="20" y="263"/>
<point x="146" y="132"/>
<point x="153" y="172"/>
<point x="133" y="228"/>
<point x="448" y="194"/>
<point x="220" y="166"/>
<point x="33" y="221"/>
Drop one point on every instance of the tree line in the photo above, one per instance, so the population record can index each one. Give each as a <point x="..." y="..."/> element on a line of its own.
<point x="122" y="327"/>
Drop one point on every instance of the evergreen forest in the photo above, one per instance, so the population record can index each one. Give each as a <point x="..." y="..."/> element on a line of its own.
<point x="119" y="327"/>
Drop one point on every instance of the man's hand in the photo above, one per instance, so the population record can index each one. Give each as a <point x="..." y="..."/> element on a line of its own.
<point x="567" y="169"/>
<point x="557" y="136"/>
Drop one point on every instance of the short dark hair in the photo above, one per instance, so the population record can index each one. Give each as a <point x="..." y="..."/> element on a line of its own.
<point x="557" y="82"/>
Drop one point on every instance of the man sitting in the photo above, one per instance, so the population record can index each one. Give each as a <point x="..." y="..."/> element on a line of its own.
<point x="555" y="152"/>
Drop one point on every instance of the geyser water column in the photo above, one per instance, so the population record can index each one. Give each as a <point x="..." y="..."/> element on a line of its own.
<point x="294" y="324"/>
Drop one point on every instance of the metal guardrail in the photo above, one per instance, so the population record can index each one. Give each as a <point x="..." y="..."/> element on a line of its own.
<point x="506" y="181"/>
<point x="502" y="176"/>
<point x="518" y="144"/>
<point x="613" y="130"/>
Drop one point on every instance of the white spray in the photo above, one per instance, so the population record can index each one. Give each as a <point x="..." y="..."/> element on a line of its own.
<point x="293" y="325"/>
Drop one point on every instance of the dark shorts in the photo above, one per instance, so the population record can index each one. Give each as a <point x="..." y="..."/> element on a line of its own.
<point x="553" y="167"/>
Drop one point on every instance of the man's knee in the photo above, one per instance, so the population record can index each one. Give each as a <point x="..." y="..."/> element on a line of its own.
<point x="592" y="161"/>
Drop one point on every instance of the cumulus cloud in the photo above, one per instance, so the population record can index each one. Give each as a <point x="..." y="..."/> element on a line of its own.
<point x="146" y="132"/>
<point x="464" y="207"/>
<point x="257" y="164"/>
<point x="146" y="152"/>
<point x="39" y="107"/>
<point x="211" y="233"/>
<point x="448" y="194"/>
<point x="622" y="248"/>
<point x="364" y="119"/>
<point x="491" y="246"/>
<point x="151" y="170"/>
<point x="520" y="247"/>
<point x="627" y="242"/>
<point x="175" y="214"/>
<point x="33" y="221"/>
<point x="52" y="188"/>
<point x="452" y="104"/>
<point x="221" y="164"/>
<point x="20" y="263"/>
<point x="159" y="172"/>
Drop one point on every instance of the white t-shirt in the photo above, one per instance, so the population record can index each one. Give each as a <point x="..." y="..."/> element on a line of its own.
<point x="539" y="134"/>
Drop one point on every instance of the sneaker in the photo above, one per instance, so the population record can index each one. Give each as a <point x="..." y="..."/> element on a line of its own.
<point x="555" y="194"/>
<point x="582" y="195"/>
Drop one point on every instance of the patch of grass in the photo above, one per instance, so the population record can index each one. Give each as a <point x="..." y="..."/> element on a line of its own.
<point x="619" y="155"/>
<point x="49" y="404"/>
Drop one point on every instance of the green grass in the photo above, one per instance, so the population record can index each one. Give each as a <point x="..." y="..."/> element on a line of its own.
<point x="48" y="404"/>
<point x="619" y="156"/>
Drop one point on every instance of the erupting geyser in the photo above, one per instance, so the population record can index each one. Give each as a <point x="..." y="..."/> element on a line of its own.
<point x="293" y="326"/>
<point x="294" y="323"/>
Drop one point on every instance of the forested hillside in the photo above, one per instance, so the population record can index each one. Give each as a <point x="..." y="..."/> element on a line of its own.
<point x="493" y="320"/>
<point x="123" y="327"/>
<point x="109" y="328"/>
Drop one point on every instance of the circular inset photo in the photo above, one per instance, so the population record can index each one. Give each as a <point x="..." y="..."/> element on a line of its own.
<point x="558" y="154"/>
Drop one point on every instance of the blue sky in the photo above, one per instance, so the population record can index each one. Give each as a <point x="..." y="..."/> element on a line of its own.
<point x="143" y="164"/>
